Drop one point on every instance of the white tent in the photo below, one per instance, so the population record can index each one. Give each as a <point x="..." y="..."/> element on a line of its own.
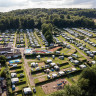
<point x="56" y="67"/>
<point x="14" y="65"/>
<point x="13" y="75"/>
<point x="33" y="64"/>
<point x="82" y="66"/>
<point x="75" y="55"/>
<point x="73" y="69"/>
<point x="76" y="62"/>
<point x="52" y="64"/>
<point x="27" y="90"/>
<point x="14" y="80"/>
<point x="61" y="57"/>
<point x="54" y="75"/>
<point x="57" y="52"/>
<point x="49" y="61"/>
<point x="60" y="73"/>
<point x="93" y="62"/>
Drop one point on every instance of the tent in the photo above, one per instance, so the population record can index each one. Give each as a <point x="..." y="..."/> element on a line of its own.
<point x="56" y="68"/>
<point x="60" y="73"/>
<point x="27" y="90"/>
<point x="52" y="64"/>
<point x="13" y="75"/>
<point x="54" y="75"/>
<point x="49" y="61"/>
<point x="33" y="64"/>
<point x="70" y="58"/>
<point x="73" y="69"/>
<point x="75" y="61"/>
<point x="14" y="80"/>
<point x="82" y="66"/>
<point x="93" y="62"/>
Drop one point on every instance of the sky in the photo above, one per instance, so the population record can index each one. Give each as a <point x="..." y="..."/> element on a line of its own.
<point x="8" y="5"/>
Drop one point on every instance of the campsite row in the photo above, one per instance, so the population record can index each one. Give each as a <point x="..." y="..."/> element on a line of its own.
<point x="81" y="46"/>
<point x="6" y="39"/>
<point x="32" y="40"/>
<point x="20" y="42"/>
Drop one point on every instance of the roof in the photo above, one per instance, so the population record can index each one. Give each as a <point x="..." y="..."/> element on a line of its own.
<point x="49" y="60"/>
<point x="61" y="72"/>
<point x="54" y="75"/>
<point x="5" y="49"/>
<point x="14" y="80"/>
<point x="27" y="90"/>
<point x="82" y="66"/>
<point x="13" y="74"/>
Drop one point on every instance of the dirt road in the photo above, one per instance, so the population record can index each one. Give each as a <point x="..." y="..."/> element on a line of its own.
<point x="27" y="68"/>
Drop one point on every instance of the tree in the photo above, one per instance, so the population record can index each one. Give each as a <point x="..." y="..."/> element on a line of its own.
<point x="47" y="31"/>
<point x="86" y="85"/>
<point x="3" y="60"/>
<point x="87" y="81"/>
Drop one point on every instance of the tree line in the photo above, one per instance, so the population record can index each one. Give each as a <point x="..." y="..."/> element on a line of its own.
<point x="30" y="18"/>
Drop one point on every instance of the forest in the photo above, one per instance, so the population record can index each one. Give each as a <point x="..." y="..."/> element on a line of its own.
<point x="34" y="18"/>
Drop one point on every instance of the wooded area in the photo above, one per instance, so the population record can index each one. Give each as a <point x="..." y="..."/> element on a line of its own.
<point x="30" y="18"/>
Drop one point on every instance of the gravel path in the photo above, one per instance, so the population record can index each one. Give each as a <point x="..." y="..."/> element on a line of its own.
<point x="27" y="68"/>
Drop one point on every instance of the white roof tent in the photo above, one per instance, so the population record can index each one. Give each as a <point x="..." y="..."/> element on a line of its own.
<point x="93" y="62"/>
<point x="56" y="68"/>
<point x="61" y="73"/>
<point x="33" y="64"/>
<point x="27" y="91"/>
<point x="73" y="69"/>
<point x="52" y="64"/>
<point x="54" y="75"/>
<point x="49" y="61"/>
<point x="14" y="80"/>
<point x="13" y="75"/>
<point x="82" y="66"/>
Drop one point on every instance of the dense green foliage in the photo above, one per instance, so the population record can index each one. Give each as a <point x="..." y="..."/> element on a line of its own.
<point x="47" y="31"/>
<point x="3" y="60"/>
<point x="86" y="85"/>
<point x="30" y="18"/>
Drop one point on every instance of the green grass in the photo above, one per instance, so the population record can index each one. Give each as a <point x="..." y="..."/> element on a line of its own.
<point x="67" y="51"/>
<point x="93" y="40"/>
<point x="2" y="68"/>
<point x="66" y="66"/>
<point x="73" y="78"/>
<point x="39" y="92"/>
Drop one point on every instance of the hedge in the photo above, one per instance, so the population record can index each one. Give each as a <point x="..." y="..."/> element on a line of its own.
<point x="59" y="77"/>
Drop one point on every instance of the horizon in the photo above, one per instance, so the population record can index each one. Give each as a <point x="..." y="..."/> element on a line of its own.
<point x="46" y="8"/>
<point x="10" y="5"/>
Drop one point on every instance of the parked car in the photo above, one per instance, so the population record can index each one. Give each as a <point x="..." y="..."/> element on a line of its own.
<point x="34" y="90"/>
